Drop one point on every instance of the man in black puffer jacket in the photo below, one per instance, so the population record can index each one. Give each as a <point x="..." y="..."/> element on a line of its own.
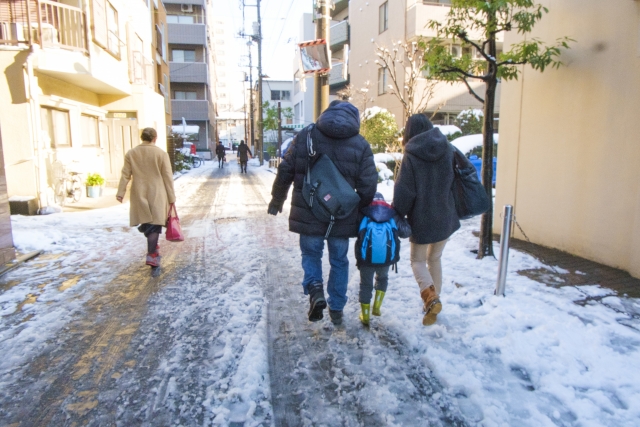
<point x="337" y="135"/>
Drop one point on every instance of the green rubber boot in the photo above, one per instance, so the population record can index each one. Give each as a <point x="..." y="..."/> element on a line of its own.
<point x="377" y="302"/>
<point x="364" y="315"/>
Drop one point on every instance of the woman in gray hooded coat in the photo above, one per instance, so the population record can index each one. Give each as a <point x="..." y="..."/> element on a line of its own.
<point x="423" y="193"/>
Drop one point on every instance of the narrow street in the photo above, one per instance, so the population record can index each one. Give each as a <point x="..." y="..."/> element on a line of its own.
<point x="219" y="338"/>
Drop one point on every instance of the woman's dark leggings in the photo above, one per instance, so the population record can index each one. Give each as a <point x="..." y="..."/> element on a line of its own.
<point x="152" y="242"/>
<point x="152" y="233"/>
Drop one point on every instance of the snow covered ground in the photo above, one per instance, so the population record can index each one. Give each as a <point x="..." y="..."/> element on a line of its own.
<point x="541" y="356"/>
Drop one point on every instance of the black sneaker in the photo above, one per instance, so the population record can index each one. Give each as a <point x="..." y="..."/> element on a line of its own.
<point x="317" y="303"/>
<point x="336" y="316"/>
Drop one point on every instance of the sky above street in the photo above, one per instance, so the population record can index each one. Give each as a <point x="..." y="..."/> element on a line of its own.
<point x="280" y="28"/>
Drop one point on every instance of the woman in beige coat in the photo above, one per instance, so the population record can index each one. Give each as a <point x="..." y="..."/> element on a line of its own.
<point x="151" y="191"/>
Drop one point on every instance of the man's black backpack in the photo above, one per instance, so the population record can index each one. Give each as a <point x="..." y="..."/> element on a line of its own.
<point x="328" y="194"/>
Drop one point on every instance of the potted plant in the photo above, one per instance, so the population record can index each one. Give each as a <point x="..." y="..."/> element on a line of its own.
<point x="94" y="185"/>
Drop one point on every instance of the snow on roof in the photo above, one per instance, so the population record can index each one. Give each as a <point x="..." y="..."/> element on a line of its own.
<point x="188" y="129"/>
<point x="448" y="129"/>
<point x="469" y="142"/>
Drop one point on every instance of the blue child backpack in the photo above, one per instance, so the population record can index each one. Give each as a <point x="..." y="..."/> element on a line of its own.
<point x="378" y="243"/>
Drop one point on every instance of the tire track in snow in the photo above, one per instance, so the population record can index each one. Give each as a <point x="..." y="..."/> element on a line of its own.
<point x="96" y="372"/>
<point x="346" y="375"/>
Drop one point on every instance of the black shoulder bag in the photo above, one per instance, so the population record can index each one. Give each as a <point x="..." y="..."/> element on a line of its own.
<point x="468" y="192"/>
<point x="328" y="194"/>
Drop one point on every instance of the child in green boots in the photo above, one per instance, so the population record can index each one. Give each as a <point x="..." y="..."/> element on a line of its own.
<point x="377" y="249"/>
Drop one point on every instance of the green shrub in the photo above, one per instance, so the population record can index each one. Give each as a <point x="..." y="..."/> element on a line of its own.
<point x="470" y="121"/>
<point x="181" y="162"/>
<point x="94" y="180"/>
<point x="379" y="128"/>
<point x="453" y="136"/>
<point x="478" y="151"/>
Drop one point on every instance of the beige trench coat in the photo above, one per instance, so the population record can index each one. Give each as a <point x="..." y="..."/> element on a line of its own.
<point x="152" y="187"/>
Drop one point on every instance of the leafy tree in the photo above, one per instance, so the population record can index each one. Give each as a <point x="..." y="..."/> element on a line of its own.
<point x="378" y="126"/>
<point x="270" y="114"/>
<point x="475" y="24"/>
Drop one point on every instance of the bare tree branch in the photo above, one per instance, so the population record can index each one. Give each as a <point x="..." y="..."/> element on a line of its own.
<point x="472" y="92"/>
<point x="464" y="37"/>
<point x="464" y="73"/>
<point x="499" y="64"/>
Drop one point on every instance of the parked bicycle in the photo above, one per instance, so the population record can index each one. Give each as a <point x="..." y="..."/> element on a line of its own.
<point x="68" y="184"/>
<point x="194" y="161"/>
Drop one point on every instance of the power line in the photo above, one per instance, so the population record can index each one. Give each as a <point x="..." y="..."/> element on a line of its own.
<point x="283" y="27"/>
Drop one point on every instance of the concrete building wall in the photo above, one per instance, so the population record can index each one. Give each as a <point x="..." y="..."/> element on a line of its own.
<point x="95" y="84"/>
<point x="569" y="143"/>
<point x="7" y="252"/>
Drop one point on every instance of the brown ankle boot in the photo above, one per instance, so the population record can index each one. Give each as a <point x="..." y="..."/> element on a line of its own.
<point x="432" y="305"/>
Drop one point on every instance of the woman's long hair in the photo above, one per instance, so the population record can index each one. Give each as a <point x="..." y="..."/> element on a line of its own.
<point x="416" y="124"/>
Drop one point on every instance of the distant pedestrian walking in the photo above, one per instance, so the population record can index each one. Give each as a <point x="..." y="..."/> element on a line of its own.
<point x="220" y="152"/>
<point x="336" y="135"/>
<point x="243" y="151"/>
<point x="151" y="191"/>
<point x="377" y="249"/>
<point x="423" y="193"/>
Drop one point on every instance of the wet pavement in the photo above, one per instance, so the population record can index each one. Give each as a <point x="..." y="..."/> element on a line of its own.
<point x="211" y="341"/>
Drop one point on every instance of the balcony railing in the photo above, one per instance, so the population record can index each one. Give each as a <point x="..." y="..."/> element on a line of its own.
<point x="338" y="74"/>
<point x="339" y="35"/>
<point x="142" y="70"/>
<point x="44" y="22"/>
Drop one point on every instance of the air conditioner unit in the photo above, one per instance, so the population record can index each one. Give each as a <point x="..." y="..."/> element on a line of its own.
<point x="186" y="8"/>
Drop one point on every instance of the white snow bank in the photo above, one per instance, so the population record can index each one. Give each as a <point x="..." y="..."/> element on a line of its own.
<point x="386" y="157"/>
<point x="469" y="142"/>
<point x="448" y="129"/>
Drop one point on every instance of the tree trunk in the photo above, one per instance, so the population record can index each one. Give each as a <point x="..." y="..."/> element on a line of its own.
<point x="485" y="247"/>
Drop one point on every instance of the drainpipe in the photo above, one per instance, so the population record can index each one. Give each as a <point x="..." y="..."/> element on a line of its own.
<point x="40" y="166"/>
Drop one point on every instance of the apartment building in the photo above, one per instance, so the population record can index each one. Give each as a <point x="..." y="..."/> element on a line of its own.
<point x="569" y="141"/>
<point x="274" y="91"/>
<point x="189" y="37"/>
<point x="229" y="83"/>
<point x="381" y="23"/>
<point x="339" y="45"/>
<point x="80" y="78"/>
<point x="229" y="77"/>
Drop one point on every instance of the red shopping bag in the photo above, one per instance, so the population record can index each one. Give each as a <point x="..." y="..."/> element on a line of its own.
<point x="174" y="231"/>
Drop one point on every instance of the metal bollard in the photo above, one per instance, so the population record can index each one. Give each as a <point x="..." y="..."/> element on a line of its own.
<point x="504" y="250"/>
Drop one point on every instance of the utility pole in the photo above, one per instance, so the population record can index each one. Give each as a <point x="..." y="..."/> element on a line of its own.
<point x="251" y="118"/>
<point x="321" y="81"/>
<point x="260" y="116"/>
<point x="279" y="128"/>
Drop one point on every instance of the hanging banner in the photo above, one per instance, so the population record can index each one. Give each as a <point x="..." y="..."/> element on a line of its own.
<point x="314" y="56"/>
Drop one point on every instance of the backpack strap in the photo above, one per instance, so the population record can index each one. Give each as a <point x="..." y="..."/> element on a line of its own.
<point x="311" y="153"/>
<point x="333" y="220"/>
<point x="310" y="150"/>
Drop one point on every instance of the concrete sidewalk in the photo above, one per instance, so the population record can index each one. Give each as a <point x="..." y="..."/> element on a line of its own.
<point x="107" y="200"/>
<point x="575" y="271"/>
